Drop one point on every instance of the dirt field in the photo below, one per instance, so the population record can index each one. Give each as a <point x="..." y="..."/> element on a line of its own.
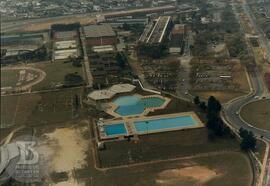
<point x="67" y="153"/>
<point x="267" y="80"/>
<point x="46" y="25"/>
<point x="257" y="114"/>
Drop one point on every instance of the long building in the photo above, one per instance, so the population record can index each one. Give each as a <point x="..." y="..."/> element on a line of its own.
<point x="154" y="33"/>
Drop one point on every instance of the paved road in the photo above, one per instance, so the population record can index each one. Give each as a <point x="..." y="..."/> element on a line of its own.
<point x="262" y="36"/>
<point x="231" y="110"/>
<point x="18" y="25"/>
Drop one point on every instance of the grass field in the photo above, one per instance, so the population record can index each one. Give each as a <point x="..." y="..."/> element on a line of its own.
<point x="224" y="169"/>
<point x="12" y="78"/>
<point x="9" y="77"/>
<point x="163" y="146"/>
<point x="55" y="73"/>
<point x="177" y="105"/>
<point x="222" y="96"/>
<point x="38" y="109"/>
<point x="257" y="114"/>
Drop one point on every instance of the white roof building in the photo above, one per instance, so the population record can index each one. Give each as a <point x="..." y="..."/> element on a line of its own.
<point x="59" y="45"/>
<point x="110" y="92"/>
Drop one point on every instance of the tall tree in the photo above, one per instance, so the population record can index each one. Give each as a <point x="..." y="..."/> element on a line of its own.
<point x="214" y="104"/>
<point x="197" y="100"/>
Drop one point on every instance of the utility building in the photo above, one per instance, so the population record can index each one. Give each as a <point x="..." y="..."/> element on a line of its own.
<point x="97" y="35"/>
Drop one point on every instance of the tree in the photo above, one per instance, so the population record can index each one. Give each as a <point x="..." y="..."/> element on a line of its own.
<point x="213" y="105"/>
<point x="243" y="132"/>
<point x="203" y="106"/>
<point x="76" y="98"/>
<point x="72" y="79"/>
<point x="216" y="124"/>
<point x="121" y="60"/>
<point x="248" y="141"/>
<point x="197" y="100"/>
<point x="211" y="135"/>
<point x="76" y="62"/>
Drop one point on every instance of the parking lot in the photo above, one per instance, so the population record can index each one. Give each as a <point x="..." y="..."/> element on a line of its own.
<point x="162" y="74"/>
<point x="215" y="75"/>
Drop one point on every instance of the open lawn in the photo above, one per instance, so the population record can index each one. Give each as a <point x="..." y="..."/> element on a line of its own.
<point x="37" y="109"/>
<point x="20" y="78"/>
<point x="222" y="96"/>
<point x="223" y="169"/>
<point x="257" y="114"/>
<point x="163" y="146"/>
<point x="177" y="105"/>
<point x="56" y="72"/>
<point x="9" y="78"/>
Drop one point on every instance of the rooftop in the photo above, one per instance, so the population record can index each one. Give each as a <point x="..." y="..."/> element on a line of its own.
<point x="99" y="31"/>
<point x="178" y="29"/>
<point x="110" y="92"/>
<point x="103" y="48"/>
<point x="65" y="34"/>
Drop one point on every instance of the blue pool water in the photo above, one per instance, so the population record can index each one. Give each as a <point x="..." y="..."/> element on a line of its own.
<point x="115" y="129"/>
<point x="133" y="105"/>
<point x="164" y="123"/>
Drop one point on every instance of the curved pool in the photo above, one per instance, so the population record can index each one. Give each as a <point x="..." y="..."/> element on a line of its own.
<point x="134" y="104"/>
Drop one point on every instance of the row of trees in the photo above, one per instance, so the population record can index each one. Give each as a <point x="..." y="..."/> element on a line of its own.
<point x="65" y="27"/>
<point x="154" y="52"/>
<point x="217" y="127"/>
<point x="121" y="59"/>
<point x="73" y="79"/>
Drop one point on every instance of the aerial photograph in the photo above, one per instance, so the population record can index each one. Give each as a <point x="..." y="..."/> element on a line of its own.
<point x="135" y="93"/>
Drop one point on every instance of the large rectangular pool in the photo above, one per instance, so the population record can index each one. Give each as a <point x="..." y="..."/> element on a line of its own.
<point x="164" y="124"/>
<point x="115" y="129"/>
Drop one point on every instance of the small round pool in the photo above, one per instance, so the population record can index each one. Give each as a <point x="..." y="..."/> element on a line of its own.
<point x="134" y="104"/>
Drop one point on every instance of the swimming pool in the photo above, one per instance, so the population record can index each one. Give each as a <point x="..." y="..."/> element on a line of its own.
<point x="134" y="104"/>
<point x="115" y="129"/>
<point x="164" y="124"/>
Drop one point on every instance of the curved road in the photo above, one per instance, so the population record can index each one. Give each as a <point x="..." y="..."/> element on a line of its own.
<point x="232" y="109"/>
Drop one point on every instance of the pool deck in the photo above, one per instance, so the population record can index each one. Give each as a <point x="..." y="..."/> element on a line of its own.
<point x="112" y="106"/>
<point x="131" y="130"/>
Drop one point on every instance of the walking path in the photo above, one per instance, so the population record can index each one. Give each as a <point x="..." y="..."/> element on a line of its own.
<point x="87" y="70"/>
<point x="264" y="171"/>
